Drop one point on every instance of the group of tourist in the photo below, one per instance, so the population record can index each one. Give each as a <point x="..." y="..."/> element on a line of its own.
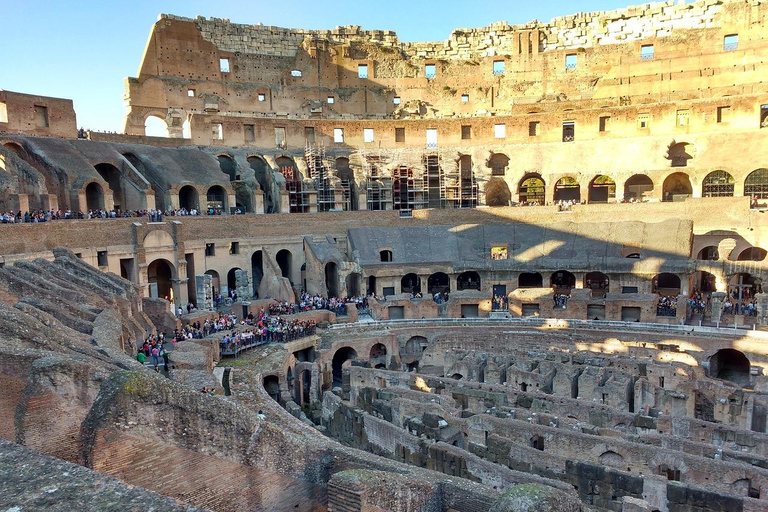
<point x="309" y="302"/>
<point x="36" y="216"/>
<point x="441" y="297"/>
<point x="667" y="306"/>
<point x="500" y="303"/>
<point x="153" y="347"/>
<point x="561" y="300"/>
<point x="746" y="307"/>
<point x="564" y="206"/>
<point x="697" y="303"/>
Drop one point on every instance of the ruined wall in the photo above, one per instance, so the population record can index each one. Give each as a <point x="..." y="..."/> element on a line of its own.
<point x="37" y="115"/>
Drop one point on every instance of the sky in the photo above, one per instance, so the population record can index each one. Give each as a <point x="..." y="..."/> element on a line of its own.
<point x="83" y="50"/>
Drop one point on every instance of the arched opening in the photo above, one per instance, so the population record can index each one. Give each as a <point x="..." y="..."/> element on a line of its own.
<point x="752" y="254"/>
<point x="497" y="193"/>
<point x="602" y="189"/>
<point x="567" y="189"/>
<point x="709" y="253"/>
<point x="531" y="190"/>
<point x="498" y="164"/>
<point x="94" y="196"/>
<point x="257" y="270"/>
<point x="730" y="364"/>
<point x="638" y="188"/>
<point x="216" y="200"/>
<point x="289" y="379"/>
<point x="160" y="277"/>
<point x="348" y="185"/>
<point x="294" y="184"/>
<point x="676" y="187"/>
<point x="385" y="255"/>
<point x="332" y="279"/>
<point x="111" y="175"/>
<point x="264" y="178"/>
<point x="704" y="282"/>
<point x="378" y="354"/>
<point x="284" y="261"/>
<point x="717" y="184"/>
<point x="155" y="126"/>
<point x="530" y="280"/>
<point x="342" y="359"/>
<point x="666" y="284"/>
<point x="612" y="459"/>
<point x="439" y="282"/>
<point x="414" y="347"/>
<point x="243" y="198"/>
<point x="272" y="387"/>
<point x="756" y="184"/>
<point x="679" y="154"/>
<point x="306" y="386"/>
<point x="232" y="280"/>
<point x="353" y="284"/>
<point x="468" y="281"/>
<point x="457" y="376"/>
<point x="227" y="166"/>
<point x="188" y="198"/>
<point x="371" y="285"/>
<point x="410" y="283"/>
<point x="597" y="282"/>
<point x="562" y="281"/>
<point x="215" y="283"/>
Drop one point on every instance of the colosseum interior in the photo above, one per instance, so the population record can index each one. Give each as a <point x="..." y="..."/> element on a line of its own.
<point x="534" y="254"/>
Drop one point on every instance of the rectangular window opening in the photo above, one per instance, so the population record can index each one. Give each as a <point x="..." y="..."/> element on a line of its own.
<point x="643" y="121"/>
<point x="722" y="114"/>
<point x="498" y="67"/>
<point x="399" y="134"/>
<point x="683" y="117"/>
<point x="3" y="112"/>
<point x="571" y="60"/>
<point x="280" y="138"/>
<point x="731" y="42"/>
<point x="431" y="138"/>
<point x="646" y="52"/>
<point x="569" y="131"/>
<point x="101" y="256"/>
<point x="465" y="98"/>
<point x="210" y="249"/>
<point x="500" y="131"/>
<point x="296" y="72"/>
<point x="396" y="100"/>
<point x="338" y="135"/>
<point x="309" y="134"/>
<point x="41" y="116"/>
<point x="217" y="130"/>
<point x="249" y="133"/>
<point x="533" y="128"/>
<point x="367" y="134"/>
<point x="262" y="97"/>
<point x="430" y="71"/>
<point x="191" y="93"/>
<point x="466" y="132"/>
<point x="331" y="100"/>
<point x="234" y="248"/>
<point x="362" y="71"/>
<point x="224" y="65"/>
<point x="763" y="116"/>
<point x="604" y="121"/>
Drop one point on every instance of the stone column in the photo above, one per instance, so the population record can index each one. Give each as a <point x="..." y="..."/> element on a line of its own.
<point x="716" y="301"/>
<point x="204" y="291"/>
<point x="762" y="308"/>
<point x="243" y="286"/>
<point x="180" y="294"/>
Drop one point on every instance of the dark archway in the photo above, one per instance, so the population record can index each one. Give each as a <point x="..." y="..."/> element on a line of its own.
<point x="468" y="281"/>
<point x="498" y="164"/>
<point x="679" y="154"/>
<point x="243" y="198"/>
<point x="112" y="176"/>
<point x="371" y="285"/>
<point x="709" y="253"/>
<point x="160" y="273"/>
<point x="264" y="177"/>
<point x="188" y="198"/>
<point x="272" y="387"/>
<point x="216" y="200"/>
<point x="676" y="186"/>
<point x="378" y="353"/>
<point x="305" y="379"/>
<point x="562" y="281"/>
<point x="602" y="189"/>
<point x="215" y="283"/>
<point x="597" y="282"/>
<point x="717" y="184"/>
<point x="410" y="283"/>
<point x="284" y="260"/>
<point x="756" y="184"/>
<point x="531" y="190"/>
<point x="341" y="356"/>
<point x="497" y="193"/>
<point x="530" y="280"/>
<point x="567" y="189"/>
<point x="348" y="183"/>
<point x="227" y="166"/>
<point x="353" y="284"/>
<point x="94" y="196"/>
<point x="705" y="281"/>
<point x="638" y="188"/>
<point x="232" y="280"/>
<point x="752" y="254"/>
<point x="331" y="279"/>
<point x="666" y="284"/>
<point x="284" y="162"/>
<point x="257" y="270"/>
<point x="385" y="255"/>
<point x="439" y="282"/>
<point x="730" y="364"/>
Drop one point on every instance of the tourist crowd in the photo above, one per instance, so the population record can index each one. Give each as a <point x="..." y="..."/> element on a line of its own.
<point x="561" y="300"/>
<point x="154" y="215"/>
<point x="153" y="347"/>
<point x="500" y="303"/>
<point x="667" y="306"/>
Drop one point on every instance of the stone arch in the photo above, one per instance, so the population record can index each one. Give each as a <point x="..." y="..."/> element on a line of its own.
<point x="439" y="282"/>
<point x="531" y="189"/>
<point x="567" y="188"/>
<point x="284" y="259"/>
<point x="114" y="178"/>
<point x="469" y="280"/>
<point x="385" y="255"/>
<point x="161" y="200"/>
<point x="243" y="198"/>
<point x="263" y="176"/>
<point x="232" y="279"/>
<point x="410" y="283"/>
<point x="597" y="282"/>
<point x="638" y="188"/>
<point x="498" y="163"/>
<point x="562" y="280"/>
<point x="756" y="184"/>
<point x="227" y="166"/>
<point x="162" y="272"/>
<point x="612" y="459"/>
<point x="752" y="254"/>
<point x="602" y="189"/>
<point x="497" y="193"/>
<point x="708" y="253"/>
<point x="215" y="283"/>
<point x="666" y="284"/>
<point x="188" y="198"/>
<point x="730" y="364"/>
<point x="530" y="280"/>
<point x="676" y="184"/>
<point x="378" y="351"/>
<point x="678" y="153"/>
<point x="155" y="126"/>
<point x="216" y="199"/>
<point x="332" y="279"/>
<point x="287" y="162"/>
<point x="457" y="376"/>
<point x="340" y="359"/>
<point x="272" y="386"/>
<point x="94" y="196"/>
<point x="717" y="184"/>
<point x="257" y="270"/>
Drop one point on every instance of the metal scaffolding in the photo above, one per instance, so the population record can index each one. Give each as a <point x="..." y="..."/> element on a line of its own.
<point x="378" y="190"/>
<point x="298" y="196"/>
<point x="319" y="172"/>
